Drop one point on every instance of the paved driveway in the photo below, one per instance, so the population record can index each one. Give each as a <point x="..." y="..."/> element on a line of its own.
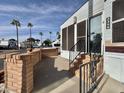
<point x="50" y="73"/>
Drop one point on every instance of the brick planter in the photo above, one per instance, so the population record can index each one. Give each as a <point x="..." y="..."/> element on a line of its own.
<point x="19" y="69"/>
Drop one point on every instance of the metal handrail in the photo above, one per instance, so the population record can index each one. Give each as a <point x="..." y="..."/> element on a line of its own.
<point x="73" y="49"/>
<point x="90" y="74"/>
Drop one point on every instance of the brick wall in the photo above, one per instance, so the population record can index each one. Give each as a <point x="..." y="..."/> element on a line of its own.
<point x="19" y="69"/>
<point x="50" y="52"/>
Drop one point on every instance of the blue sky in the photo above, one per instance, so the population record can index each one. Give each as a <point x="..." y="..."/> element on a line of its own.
<point x="45" y="15"/>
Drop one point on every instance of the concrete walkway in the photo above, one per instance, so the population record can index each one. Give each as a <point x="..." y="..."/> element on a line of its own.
<point x="112" y="86"/>
<point x="70" y="86"/>
<point x="50" y="74"/>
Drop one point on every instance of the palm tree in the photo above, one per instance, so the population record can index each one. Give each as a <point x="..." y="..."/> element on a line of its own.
<point x="17" y="24"/>
<point x="58" y="35"/>
<point x="50" y="34"/>
<point x="30" y="25"/>
<point x="41" y="34"/>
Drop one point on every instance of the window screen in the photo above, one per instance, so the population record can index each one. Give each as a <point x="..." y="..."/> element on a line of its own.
<point x="118" y="25"/>
<point x="81" y="28"/>
<point x="81" y="33"/>
<point x="118" y="32"/>
<point x="70" y="37"/>
<point x="64" y="39"/>
<point x="81" y="44"/>
<point x="118" y="9"/>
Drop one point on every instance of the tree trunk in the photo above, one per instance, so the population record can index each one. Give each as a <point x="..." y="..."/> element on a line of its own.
<point x="30" y="39"/>
<point x="41" y="40"/>
<point x="17" y="37"/>
<point x="50" y="36"/>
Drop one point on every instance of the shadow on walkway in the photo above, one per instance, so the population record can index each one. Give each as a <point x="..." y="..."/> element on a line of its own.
<point x="49" y="74"/>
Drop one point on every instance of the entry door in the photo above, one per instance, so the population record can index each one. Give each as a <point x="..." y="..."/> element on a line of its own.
<point x="96" y="34"/>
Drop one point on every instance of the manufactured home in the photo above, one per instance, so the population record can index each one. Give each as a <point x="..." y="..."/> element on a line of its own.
<point x="11" y="43"/>
<point x="97" y="27"/>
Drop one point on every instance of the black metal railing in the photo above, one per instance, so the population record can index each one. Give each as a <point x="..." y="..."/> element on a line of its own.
<point x="91" y="73"/>
<point x="76" y="50"/>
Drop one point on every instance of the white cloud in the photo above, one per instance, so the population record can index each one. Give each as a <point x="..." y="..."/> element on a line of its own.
<point x="40" y="18"/>
<point x="3" y="14"/>
<point x="11" y="28"/>
<point x="33" y="8"/>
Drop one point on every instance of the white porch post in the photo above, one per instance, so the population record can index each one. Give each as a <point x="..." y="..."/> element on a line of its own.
<point x="75" y="35"/>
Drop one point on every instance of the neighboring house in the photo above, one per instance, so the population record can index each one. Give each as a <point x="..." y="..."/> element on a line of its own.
<point x="56" y="43"/>
<point x="97" y="18"/>
<point x="11" y="43"/>
<point x="27" y="43"/>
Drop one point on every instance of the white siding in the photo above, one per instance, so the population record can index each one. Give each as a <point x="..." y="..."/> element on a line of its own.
<point x="65" y="54"/>
<point x="114" y="65"/>
<point x="108" y="13"/>
<point x="98" y="6"/>
<point x="113" y="62"/>
<point x="81" y="14"/>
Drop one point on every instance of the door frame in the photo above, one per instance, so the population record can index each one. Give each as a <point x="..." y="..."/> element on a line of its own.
<point x="89" y="31"/>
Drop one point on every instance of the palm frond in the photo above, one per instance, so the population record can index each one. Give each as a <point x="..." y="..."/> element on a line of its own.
<point x="41" y="33"/>
<point x="30" y="24"/>
<point x="50" y="32"/>
<point x="15" y="22"/>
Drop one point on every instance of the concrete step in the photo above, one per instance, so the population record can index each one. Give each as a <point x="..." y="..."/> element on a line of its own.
<point x="79" y="56"/>
<point x="87" y="56"/>
<point x="77" y="73"/>
<point x="75" y="61"/>
<point x="86" y="60"/>
<point x="78" y="61"/>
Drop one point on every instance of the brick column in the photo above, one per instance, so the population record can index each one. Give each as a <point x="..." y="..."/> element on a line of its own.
<point x="19" y="70"/>
<point x="19" y="73"/>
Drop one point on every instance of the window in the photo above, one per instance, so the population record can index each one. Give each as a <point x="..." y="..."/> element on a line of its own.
<point x="81" y="35"/>
<point x="81" y="29"/>
<point x="118" y="32"/>
<point x="81" y="44"/>
<point x="64" y="39"/>
<point x="70" y="36"/>
<point x="118" y="9"/>
<point x="118" y="21"/>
